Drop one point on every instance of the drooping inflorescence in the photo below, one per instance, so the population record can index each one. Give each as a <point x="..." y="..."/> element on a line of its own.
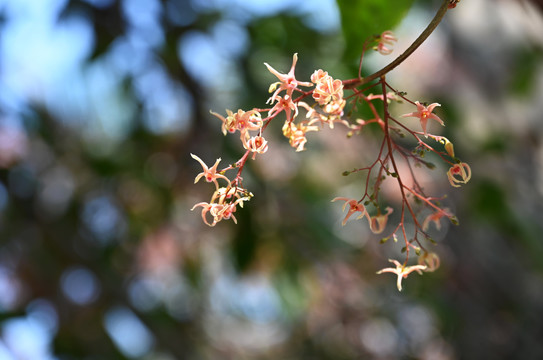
<point x="307" y="106"/>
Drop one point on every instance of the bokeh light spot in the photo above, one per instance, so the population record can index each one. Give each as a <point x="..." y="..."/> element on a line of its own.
<point x="80" y="285"/>
<point x="128" y="333"/>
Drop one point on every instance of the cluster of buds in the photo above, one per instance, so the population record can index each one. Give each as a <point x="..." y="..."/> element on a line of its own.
<point x="292" y="97"/>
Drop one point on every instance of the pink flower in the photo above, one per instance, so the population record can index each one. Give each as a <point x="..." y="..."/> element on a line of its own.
<point x="435" y="218"/>
<point x="206" y="207"/>
<point x="402" y="271"/>
<point x="224" y="194"/>
<point x="298" y="140"/>
<point x="296" y="134"/>
<point x="287" y="81"/>
<point x="379" y="222"/>
<point x="210" y="174"/>
<point x="225" y="212"/>
<point x="431" y="260"/>
<point x="217" y="211"/>
<point x="333" y="116"/>
<point x="386" y="38"/>
<point x="284" y="103"/>
<point x="459" y="174"/>
<point x="257" y="144"/>
<point x="354" y="206"/>
<point x="424" y="113"/>
<point x="326" y="88"/>
<point x="319" y="76"/>
<point x="335" y="108"/>
<point x="242" y="120"/>
<point x="223" y="205"/>
<point x="452" y="3"/>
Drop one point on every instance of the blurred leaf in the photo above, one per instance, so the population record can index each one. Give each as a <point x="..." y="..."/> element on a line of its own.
<point x="524" y="73"/>
<point x="361" y="19"/>
<point x="497" y="143"/>
<point x="489" y="201"/>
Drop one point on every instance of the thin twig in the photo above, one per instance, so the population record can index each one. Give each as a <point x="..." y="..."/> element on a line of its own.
<point x="422" y="37"/>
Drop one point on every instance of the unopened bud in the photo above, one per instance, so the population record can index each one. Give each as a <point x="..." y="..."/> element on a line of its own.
<point x="449" y="148"/>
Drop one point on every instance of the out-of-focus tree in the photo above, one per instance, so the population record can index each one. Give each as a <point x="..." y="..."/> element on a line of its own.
<point x="101" y="103"/>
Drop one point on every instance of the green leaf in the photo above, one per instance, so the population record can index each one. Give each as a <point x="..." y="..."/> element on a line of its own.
<point x="362" y="19"/>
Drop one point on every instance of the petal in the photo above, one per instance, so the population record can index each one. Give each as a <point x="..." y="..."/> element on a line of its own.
<point x="349" y="213"/>
<point x="198" y="177"/>
<point x="399" y="282"/>
<point x="468" y="172"/>
<point x="294" y="61"/>
<point x="435" y="117"/>
<point x="432" y="106"/>
<point x="412" y="114"/>
<point x="200" y="161"/>
<point x="340" y="198"/>
<point x="423" y="124"/>
<point x="214" y="167"/>
<point x="275" y="72"/>
<point x="390" y="270"/>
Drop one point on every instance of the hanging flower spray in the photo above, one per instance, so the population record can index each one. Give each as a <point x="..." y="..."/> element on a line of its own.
<point x="307" y="106"/>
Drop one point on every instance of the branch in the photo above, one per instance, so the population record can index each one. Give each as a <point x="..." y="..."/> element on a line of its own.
<point x="422" y="37"/>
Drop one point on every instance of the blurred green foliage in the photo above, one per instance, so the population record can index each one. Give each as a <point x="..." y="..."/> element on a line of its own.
<point x="363" y="19"/>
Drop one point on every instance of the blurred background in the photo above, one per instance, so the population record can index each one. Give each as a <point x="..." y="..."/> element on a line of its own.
<point x="101" y="102"/>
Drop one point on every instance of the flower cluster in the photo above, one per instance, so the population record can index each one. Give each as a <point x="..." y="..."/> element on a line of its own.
<point x="328" y="108"/>
<point x="245" y="122"/>
<point x="386" y="166"/>
<point x="323" y="102"/>
<point x="224" y="202"/>
<point x="327" y="93"/>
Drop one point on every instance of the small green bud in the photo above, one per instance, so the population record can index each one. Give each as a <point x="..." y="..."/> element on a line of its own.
<point x="431" y="240"/>
<point x="429" y="165"/>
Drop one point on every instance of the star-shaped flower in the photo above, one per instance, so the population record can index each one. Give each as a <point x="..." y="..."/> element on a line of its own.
<point x="287" y="81"/>
<point x="424" y="114"/>
<point x="206" y="207"/>
<point x="402" y="271"/>
<point x="354" y="206"/>
<point x="210" y="174"/>
<point x="435" y="218"/>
